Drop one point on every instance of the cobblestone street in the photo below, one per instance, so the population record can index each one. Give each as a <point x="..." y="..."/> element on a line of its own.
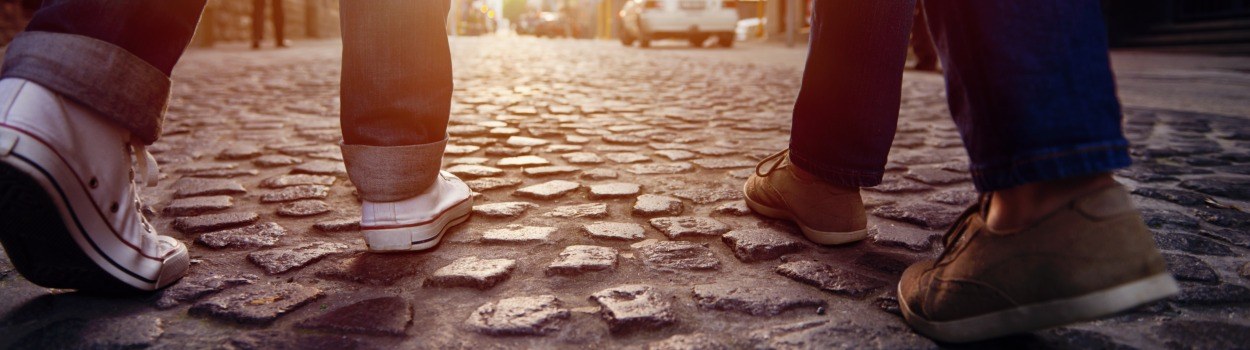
<point x="609" y="214"/>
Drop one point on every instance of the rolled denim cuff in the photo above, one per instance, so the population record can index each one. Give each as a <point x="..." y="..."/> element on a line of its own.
<point x="838" y="176"/>
<point x="393" y="173"/>
<point x="1052" y="164"/>
<point x="102" y="76"/>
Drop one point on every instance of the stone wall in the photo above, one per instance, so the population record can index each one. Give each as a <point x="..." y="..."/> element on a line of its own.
<point x="13" y="18"/>
<point x="223" y="21"/>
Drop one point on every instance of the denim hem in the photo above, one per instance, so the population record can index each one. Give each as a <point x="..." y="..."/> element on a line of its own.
<point x="837" y="176"/>
<point x="1073" y="161"/>
<point x="102" y="76"/>
<point x="393" y="173"/>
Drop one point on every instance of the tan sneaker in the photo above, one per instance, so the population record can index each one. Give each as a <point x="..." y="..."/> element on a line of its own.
<point x="1090" y="259"/>
<point x="827" y="214"/>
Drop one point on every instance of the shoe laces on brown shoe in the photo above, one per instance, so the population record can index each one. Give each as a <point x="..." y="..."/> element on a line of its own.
<point x="825" y="213"/>
<point x="1091" y="258"/>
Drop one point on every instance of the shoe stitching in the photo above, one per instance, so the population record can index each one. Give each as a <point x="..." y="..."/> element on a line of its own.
<point x="435" y="218"/>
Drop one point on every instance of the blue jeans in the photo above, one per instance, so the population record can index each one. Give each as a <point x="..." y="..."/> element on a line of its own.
<point x="1029" y="84"/>
<point x="115" y="56"/>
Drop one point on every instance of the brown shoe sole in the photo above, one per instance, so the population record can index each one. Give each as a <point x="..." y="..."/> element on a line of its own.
<point x="814" y="235"/>
<point x="1037" y="316"/>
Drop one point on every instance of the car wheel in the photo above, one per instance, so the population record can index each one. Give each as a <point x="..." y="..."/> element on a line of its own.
<point x="644" y="39"/>
<point x="698" y="40"/>
<point x="626" y="38"/>
<point x="725" y="40"/>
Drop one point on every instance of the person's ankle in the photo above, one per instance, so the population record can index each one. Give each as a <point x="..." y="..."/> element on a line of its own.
<point x="1019" y="207"/>
<point x="806" y="176"/>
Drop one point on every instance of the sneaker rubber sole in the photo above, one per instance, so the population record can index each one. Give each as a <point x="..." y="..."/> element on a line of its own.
<point x="416" y="237"/>
<point x="1045" y="315"/>
<point x="45" y="237"/>
<point x="814" y="235"/>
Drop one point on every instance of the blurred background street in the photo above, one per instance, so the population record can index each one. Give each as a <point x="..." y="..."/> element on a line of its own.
<point x="602" y="170"/>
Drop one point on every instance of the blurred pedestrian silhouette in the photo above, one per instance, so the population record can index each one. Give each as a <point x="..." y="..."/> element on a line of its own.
<point x="922" y="42"/>
<point x="258" y="23"/>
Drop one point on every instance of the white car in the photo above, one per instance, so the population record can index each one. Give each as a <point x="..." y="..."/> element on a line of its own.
<point x="693" y="20"/>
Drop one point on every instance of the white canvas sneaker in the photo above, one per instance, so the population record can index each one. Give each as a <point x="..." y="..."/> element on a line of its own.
<point x="68" y="198"/>
<point x="417" y="223"/>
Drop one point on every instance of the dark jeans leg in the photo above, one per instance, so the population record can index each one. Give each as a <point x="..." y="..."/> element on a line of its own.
<point x="847" y="109"/>
<point x="396" y="87"/>
<point x="279" y="23"/>
<point x="395" y="95"/>
<point x="114" y="56"/>
<point x="258" y="22"/>
<point x="1029" y="83"/>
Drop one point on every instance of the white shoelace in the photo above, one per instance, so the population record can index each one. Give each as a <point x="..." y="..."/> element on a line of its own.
<point x="148" y="170"/>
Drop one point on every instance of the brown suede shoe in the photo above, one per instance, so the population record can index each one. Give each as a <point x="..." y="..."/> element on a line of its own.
<point x="1088" y="260"/>
<point x="826" y="214"/>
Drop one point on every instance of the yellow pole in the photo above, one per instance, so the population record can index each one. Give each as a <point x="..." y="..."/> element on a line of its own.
<point x="759" y="32"/>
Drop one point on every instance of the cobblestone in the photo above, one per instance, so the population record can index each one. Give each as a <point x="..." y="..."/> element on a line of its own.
<point x="371" y="269"/>
<point x="660" y="168"/>
<point x="191" y="187"/>
<point x="535" y="315"/>
<point x="709" y="195"/>
<point x="738" y="208"/>
<point x="257" y="304"/>
<point x="614" y="190"/>
<point x="1188" y="268"/>
<point x="474" y="171"/>
<point x="634" y="307"/>
<point x="304" y="208"/>
<point x="518" y="234"/>
<point x="751" y="245"/>
<point x="758" y="301"/>
<point x="579" y="259"/>
<point x="198" y="205"/>
<point x="338" y="225"/>
<point x="679" y="227"/>
<point x="379" y="316"/>
<point x="487" y="184"/>
<point x="522" y="161"/>
<point x="279" y="260"/>
<point x="687" y="130"/>
<point x="112" y="333"/>
<point x="321" y="167"/>
<point x="1222" y="186"/>
<point x="615" y="230"/>
<point x="472" y="272"/>
<point x="696" y="341"/>
<point x="254" y="236"/>
<point x="548" y="190"/>
<point x="676" y="255"/>
<point x="550" y="170"/>
<point x="212" y="222"/>
<point x="295" y="193"/>
<point x="281" y="181"/>
<point x="649" y="205"/>
<point x="830" y="278"/>
<point x="503" y="209"/>
<point x="926" y="215"/>
<point x="196" y="287"/>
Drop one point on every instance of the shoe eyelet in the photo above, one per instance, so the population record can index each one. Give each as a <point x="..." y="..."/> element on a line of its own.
<point x="93" y="183"/>
<point x="113" y="208"/>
